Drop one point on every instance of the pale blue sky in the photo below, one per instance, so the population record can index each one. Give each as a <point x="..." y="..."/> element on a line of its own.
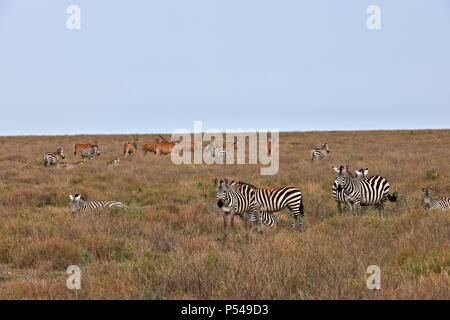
<point x="154" y="66"/>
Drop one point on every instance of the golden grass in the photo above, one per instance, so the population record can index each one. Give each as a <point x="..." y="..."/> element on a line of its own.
<point x="171" y="244"/>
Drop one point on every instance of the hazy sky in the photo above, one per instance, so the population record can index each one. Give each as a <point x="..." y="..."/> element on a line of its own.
<point x="154" y="66"/>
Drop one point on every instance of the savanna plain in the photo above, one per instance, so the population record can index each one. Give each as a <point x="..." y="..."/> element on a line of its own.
<point x="171" y="244"/>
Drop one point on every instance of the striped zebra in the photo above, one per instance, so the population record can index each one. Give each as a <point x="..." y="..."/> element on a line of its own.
<point x="77" y="204"/>
<point x="442" y="204"/>
<point x="340" y="197"/>
<point x="275" y="200"/>
<point x="89" y="152"/>
<point x="217" y="152"/>
<point x="361" y="191"/>
<point x="238" y="202"/>
<point x="53" y="158"/>
<point x="320" y="154"/>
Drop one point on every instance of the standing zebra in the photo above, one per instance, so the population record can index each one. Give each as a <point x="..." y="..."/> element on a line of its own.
<point x="217" y="152"/>
<point x="442" y="204"/>
<point x="340" y="197"/>
<point x="89" y="152"/>
<point x="320" y="154"/>
<point x="238" y="202"/>
<point x="275" y="200"/>
<point x="77" y="204"/>
<point x="53" y="158"/>
<point x="361" y="191"/>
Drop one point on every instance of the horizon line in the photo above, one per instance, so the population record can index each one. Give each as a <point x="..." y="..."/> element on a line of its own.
<point x="203" y="132"/>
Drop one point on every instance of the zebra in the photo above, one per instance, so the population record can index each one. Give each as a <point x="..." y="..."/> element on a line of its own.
<point x="275" y="200"/>
<point x="217" y="152"/>
<point x="442" y="204"/>
<point x="340" y="197"/>
<point x="238" y="202"/>
<point x="320" y="154"/>
<point x="77" y="204"/>
<point x="53" y="158"/>
<point x="362" y="191"/>
<point x="89" y="152"/>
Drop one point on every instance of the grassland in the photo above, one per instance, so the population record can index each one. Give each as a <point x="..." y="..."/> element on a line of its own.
<point x="171" y="243"/>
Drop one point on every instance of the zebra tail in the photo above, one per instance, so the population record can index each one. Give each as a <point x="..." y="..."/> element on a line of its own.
<point x="392" y="198"/>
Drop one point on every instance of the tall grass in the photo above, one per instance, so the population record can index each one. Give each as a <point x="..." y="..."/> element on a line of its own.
<point x="171" y="244"/>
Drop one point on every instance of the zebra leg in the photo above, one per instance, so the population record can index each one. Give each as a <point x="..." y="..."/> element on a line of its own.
<point x="339" y="207"/>
<point x="224" y="221"/>
<point x="232" y="221"/>
<point x="257" y="216"/>
<point x="381" y="210"/>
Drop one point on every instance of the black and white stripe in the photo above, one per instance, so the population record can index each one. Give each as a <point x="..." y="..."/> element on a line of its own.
<point x="442" y="204"/>
<point x="51" y="158"/>
<point x="77" y="204"/>
<point x="89" y="152"/>
<point x="320" y="154"/>
<point x="275" y="200"/>
<point x="362" y="191"/>
<point x="217" y="152"/>
<point x="239" y="202"/>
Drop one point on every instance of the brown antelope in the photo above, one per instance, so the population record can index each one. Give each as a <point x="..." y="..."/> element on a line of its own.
<point x="164" y="147"/>
<point x="129" y="148"/>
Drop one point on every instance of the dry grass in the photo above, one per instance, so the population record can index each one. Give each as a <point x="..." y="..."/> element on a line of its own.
<point x="175" y="248"/>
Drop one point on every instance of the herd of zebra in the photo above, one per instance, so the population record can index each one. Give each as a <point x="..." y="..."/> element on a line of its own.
<point x="257" y="206"/>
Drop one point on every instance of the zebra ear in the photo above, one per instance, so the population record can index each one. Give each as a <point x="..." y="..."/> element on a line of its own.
<point x="71" y="197"/>
<point x="77" y="196"/>
<point x="335" y="169"/>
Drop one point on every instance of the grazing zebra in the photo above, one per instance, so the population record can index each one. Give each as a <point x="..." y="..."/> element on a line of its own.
<point x="77" y="204"/>
<point x="275" y="200"/>
<point x="217" y="152"/>
<point x="239" y="203"/>
<point x="320" y="154"/>
<point x="53" y="158"/>
<point x="442" y="204"/>
<point x="70" y="165"/>
<point x="361" y="191"/>
<point x="89" y="152"/>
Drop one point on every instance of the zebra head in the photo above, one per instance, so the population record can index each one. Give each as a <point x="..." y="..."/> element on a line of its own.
<point x="95" y="150"/>
<point x="325" y="147"/>
<point x="361" y="174"/>
<point x="342" y="177"/>
<point x="60" y="152"/>
<point x="76" y="203"/>
<point x="222" y="193"/>
<point x="427" y="196"/>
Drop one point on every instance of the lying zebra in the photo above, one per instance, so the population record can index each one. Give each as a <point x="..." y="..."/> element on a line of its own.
<point x="51" y="158"/>
<point x="442" y="204"/>
<point x="233" y="202"/>
<point x="77" y="204"/>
